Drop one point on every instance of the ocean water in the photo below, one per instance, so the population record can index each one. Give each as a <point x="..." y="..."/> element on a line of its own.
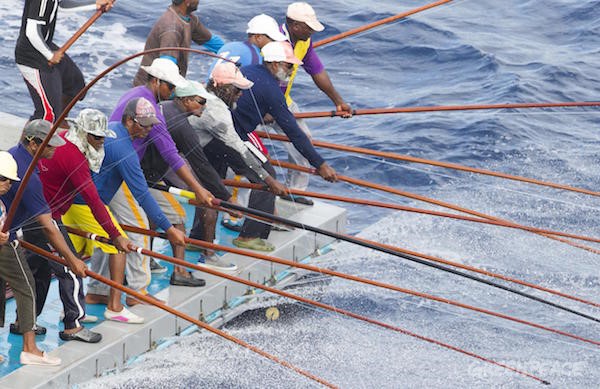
<point x="467" y="52"/>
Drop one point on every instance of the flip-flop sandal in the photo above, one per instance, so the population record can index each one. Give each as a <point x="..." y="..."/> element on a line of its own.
<point x="254" y="244"/>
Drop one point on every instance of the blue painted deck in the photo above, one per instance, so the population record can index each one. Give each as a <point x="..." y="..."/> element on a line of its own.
<point x="11" y="345"/>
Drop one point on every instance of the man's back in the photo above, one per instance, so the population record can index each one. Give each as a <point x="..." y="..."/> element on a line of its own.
<point x="170" y="30"/>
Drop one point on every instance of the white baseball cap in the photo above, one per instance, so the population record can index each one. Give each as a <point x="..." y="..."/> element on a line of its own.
<point x="303" y="12"/>
<point x="164" y="69"/>
<point x="279" y="52"/>
<point x="266" y="25"/>
<point x="8" y="166"/>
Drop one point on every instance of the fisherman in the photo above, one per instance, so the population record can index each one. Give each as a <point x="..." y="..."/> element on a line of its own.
<point x="301" y="22"/>
<point x="14" y="269"/>
<point x="267" y="98"/>
<point x="63" y="177"/>
<point x="190" y="100"/>
<point x="177" y="27"/>
<point x="222" y="144"/>
<point x="261" y="30"/>
<point x="33" y="211"/>
<point x="52" y="78"/>
<point x="122" y="165"/>
<point x="163" y="78"/>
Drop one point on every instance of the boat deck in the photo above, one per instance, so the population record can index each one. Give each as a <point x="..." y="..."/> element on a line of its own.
<point x="215" y="303"/>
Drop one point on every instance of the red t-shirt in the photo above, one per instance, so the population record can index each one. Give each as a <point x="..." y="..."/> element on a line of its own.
<point x="66" y="175"/>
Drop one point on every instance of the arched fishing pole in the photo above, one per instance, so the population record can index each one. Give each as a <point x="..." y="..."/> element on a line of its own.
<point x="25" y="179"/>
<point x="454" y="166"/>
<point x="441" y="108"/>
<point x="398" y="207"/>
<point x="382" y="248"/>
<point x="182" y="315"/>
<point x="282" y="293"/>
<point x="426" y="199"/>
<point x="378" y="23"/>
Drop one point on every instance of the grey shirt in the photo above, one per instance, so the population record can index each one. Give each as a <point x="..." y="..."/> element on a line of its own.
<point x="216" y="122"/>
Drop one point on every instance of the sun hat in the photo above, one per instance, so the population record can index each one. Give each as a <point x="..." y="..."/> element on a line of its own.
<point x="93" y="122"/>
<point x="193" y="88"/>
<point x="40" y="128"/>
<point x="303" y="12"/>
<point x="266" y="25"/>
<point x="166" y="70"/>
<point x="142" y="111"/>
<point x="279" y="52"/>
<point x="8" y="166"/>
<point x="227" y="73"/>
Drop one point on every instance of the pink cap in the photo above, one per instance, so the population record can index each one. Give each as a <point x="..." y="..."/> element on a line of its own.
<point x="142" y="111"/>
<point x="227" y="73"/>
<point x="280" y="52"/>
<point x="303" y="12"/>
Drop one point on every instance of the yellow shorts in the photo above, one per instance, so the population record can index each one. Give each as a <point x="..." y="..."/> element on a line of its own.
<point x="80" y="216"/>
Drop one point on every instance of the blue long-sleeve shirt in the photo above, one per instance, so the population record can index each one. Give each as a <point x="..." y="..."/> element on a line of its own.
<point x="121" y="163"/>
<point x="270" y="99"/>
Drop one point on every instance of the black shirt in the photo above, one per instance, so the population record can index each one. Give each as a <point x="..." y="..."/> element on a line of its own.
<point x="188" y="144"/>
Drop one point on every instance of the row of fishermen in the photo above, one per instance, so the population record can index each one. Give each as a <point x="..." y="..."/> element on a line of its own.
<point x="188" y="141"/>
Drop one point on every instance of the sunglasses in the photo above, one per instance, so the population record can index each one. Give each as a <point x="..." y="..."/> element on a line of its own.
<point x="4" y="179"/>
<point x="37" y="140"/>
<point x="141" y="125"/>
<point x="96" y="137"/>
<point x="168" y="84"/>
<point x="200" y="100"/>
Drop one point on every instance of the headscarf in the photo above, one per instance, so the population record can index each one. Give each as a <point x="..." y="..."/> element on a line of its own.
<point x="89" y="121"/>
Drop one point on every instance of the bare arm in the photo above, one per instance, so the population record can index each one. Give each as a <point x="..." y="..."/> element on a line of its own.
<point x="324" y="83"/>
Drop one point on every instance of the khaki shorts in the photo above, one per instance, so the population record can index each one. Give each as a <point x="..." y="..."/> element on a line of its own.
<point x="172" y="209"/>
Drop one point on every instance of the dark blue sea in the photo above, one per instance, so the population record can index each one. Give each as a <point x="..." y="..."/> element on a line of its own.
<point x="467" y="52"/>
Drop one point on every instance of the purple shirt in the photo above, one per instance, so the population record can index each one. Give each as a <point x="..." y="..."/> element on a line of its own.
<point x="159" y="135"/>
<point x="311" y="62"/>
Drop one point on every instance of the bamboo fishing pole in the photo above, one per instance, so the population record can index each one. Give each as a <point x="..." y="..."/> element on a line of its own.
<point x="426" y="199"/>
<point x="398" y="207"/>
<point x="204" y="269"/>
<point x="378" y="23"/>
<point x="177" y="313"/>
<point x="191" y="196"/>
<point x="247" y="253"/>
<point x="383" y="248"/>
<point x="454" y="166"/>
<point x="99" y="12"/>
<point x="442" y="108"/>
